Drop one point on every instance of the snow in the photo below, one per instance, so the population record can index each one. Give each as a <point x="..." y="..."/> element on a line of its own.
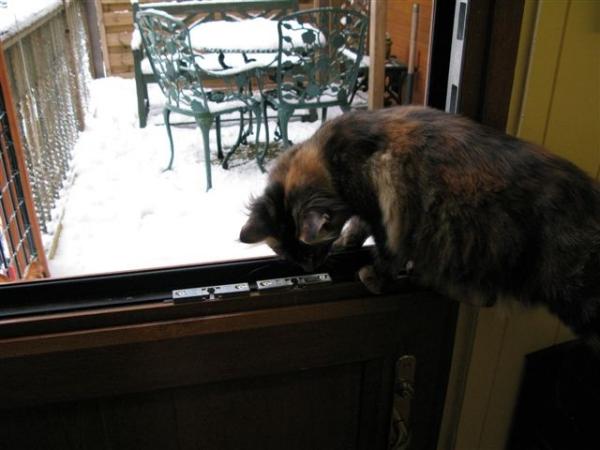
<point x="20" y="14"/>
<point x="259" y="34"/>
<point x="122" y="212"/>
<point x="136" y="38"/>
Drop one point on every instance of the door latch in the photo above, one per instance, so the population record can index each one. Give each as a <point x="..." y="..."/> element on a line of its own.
<point x="404" y="390"/>
<point x="209" y="292"/>
<point x="291" y="282"/>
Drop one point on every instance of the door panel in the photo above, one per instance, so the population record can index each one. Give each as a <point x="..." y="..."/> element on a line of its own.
<point x="309" y="367"/>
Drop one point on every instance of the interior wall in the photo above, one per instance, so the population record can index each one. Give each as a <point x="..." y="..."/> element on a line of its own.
<point x="555" y="103"/>
<point x="561" y="106"/>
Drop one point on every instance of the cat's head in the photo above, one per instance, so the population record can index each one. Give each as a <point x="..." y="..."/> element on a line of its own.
<point x="299" y="215"/>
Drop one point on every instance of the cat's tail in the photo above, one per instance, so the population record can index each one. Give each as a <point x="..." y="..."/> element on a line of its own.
<point x="590" y="323"/>
<point x="594" y="343"/>
<point x="590" y="302"/>
<point x="591" y="332"/>
<point x="580" y="307"/>
<point x="582" y="316"/>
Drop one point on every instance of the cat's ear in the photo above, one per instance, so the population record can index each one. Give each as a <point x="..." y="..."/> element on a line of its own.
<point x="253" y="231"/>
<point x="263" y="215"/>
<point x="312" y="227"/>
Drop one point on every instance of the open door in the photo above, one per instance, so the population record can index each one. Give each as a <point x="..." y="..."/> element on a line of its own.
<point x="237" y="355"/>
<point x="262" y="357"/>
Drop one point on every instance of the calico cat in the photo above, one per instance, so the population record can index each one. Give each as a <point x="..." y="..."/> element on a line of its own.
<point x="480" y="215"/>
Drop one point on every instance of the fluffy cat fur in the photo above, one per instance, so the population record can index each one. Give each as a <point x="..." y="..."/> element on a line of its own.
<point x="479" y="215"/>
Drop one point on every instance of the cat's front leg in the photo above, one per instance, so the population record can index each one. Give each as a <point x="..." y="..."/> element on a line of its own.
<point x="353" y="236"/>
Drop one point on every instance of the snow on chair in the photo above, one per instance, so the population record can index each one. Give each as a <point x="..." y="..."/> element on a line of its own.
<point x="319" y="71"/>
<point x="182" y="78"/>
<point x="194" y="13"/>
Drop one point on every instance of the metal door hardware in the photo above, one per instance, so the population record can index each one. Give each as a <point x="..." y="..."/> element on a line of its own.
<point x="404" y="390"/>
<point x="225" y="290"/>
<point x="210" y="292"/>
<point x="291" y="282"/>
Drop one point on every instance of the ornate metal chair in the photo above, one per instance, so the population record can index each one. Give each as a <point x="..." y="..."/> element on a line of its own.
<point x="320" y="69"/>
<point x="193" y="13"/>
<point x="181" y="77"/>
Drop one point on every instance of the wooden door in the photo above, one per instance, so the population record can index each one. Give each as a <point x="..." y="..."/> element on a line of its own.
<point x="114" y="362"/>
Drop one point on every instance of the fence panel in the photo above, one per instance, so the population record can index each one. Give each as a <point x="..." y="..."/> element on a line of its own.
<point x="20" y="239"/>
<point x="49" y="72"/>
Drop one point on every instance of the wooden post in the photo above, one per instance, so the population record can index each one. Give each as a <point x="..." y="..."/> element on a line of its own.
<point x="91" y="17"/>
<point x="72" y="61"/>
<point x="16" y="138"/>
<point x="100" y="18"/>
<point x="377" y="25"/>
<point x="412" y="51"/>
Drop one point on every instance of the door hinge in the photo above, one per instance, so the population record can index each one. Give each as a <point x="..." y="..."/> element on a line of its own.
<point x="221" y="291"/>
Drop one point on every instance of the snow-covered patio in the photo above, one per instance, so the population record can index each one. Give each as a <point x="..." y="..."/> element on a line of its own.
<point x="122" y="212"/>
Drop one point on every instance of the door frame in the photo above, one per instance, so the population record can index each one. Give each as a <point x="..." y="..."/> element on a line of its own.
<point x="136" y="298"/>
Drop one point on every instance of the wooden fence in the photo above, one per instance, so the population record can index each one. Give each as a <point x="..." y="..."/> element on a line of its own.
<point x="49" y="71"/>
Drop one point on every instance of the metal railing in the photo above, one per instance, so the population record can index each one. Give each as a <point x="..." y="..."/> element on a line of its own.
<point x="49" y="72"/>
<point x="19" y="235"/>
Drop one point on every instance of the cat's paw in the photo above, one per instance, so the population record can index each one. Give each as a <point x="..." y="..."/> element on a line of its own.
<point x="372" y="281"/>
<point x="353" y="236"/>
<point x="345" y="242"/>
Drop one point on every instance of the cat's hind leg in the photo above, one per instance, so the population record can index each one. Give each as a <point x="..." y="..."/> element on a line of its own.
<point x="371" y="279"/>
<point x="378" y="276"/>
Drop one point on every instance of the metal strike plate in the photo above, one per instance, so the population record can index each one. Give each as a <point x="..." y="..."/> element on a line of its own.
<point x="404" y="391"/>
<point x="210" y="292"/>
<point x="291" y="282"/>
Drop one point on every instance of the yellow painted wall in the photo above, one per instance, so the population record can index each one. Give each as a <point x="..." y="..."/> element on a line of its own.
<point x="555" y="103"/>
<point x="561" y="106"/>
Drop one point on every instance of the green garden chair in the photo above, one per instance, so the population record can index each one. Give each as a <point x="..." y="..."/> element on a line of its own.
<point x="317" y="63"/>
<point x="182" y="79"/>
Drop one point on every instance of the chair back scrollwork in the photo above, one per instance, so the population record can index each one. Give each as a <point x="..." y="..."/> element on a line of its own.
<point x="167" y="43"/>
<point x="181" y="75"/>
<point x="319" y="56"/>
<point x="178" y="69"/>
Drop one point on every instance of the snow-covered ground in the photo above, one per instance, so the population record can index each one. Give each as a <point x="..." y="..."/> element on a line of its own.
<point x="122" y="212"/>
